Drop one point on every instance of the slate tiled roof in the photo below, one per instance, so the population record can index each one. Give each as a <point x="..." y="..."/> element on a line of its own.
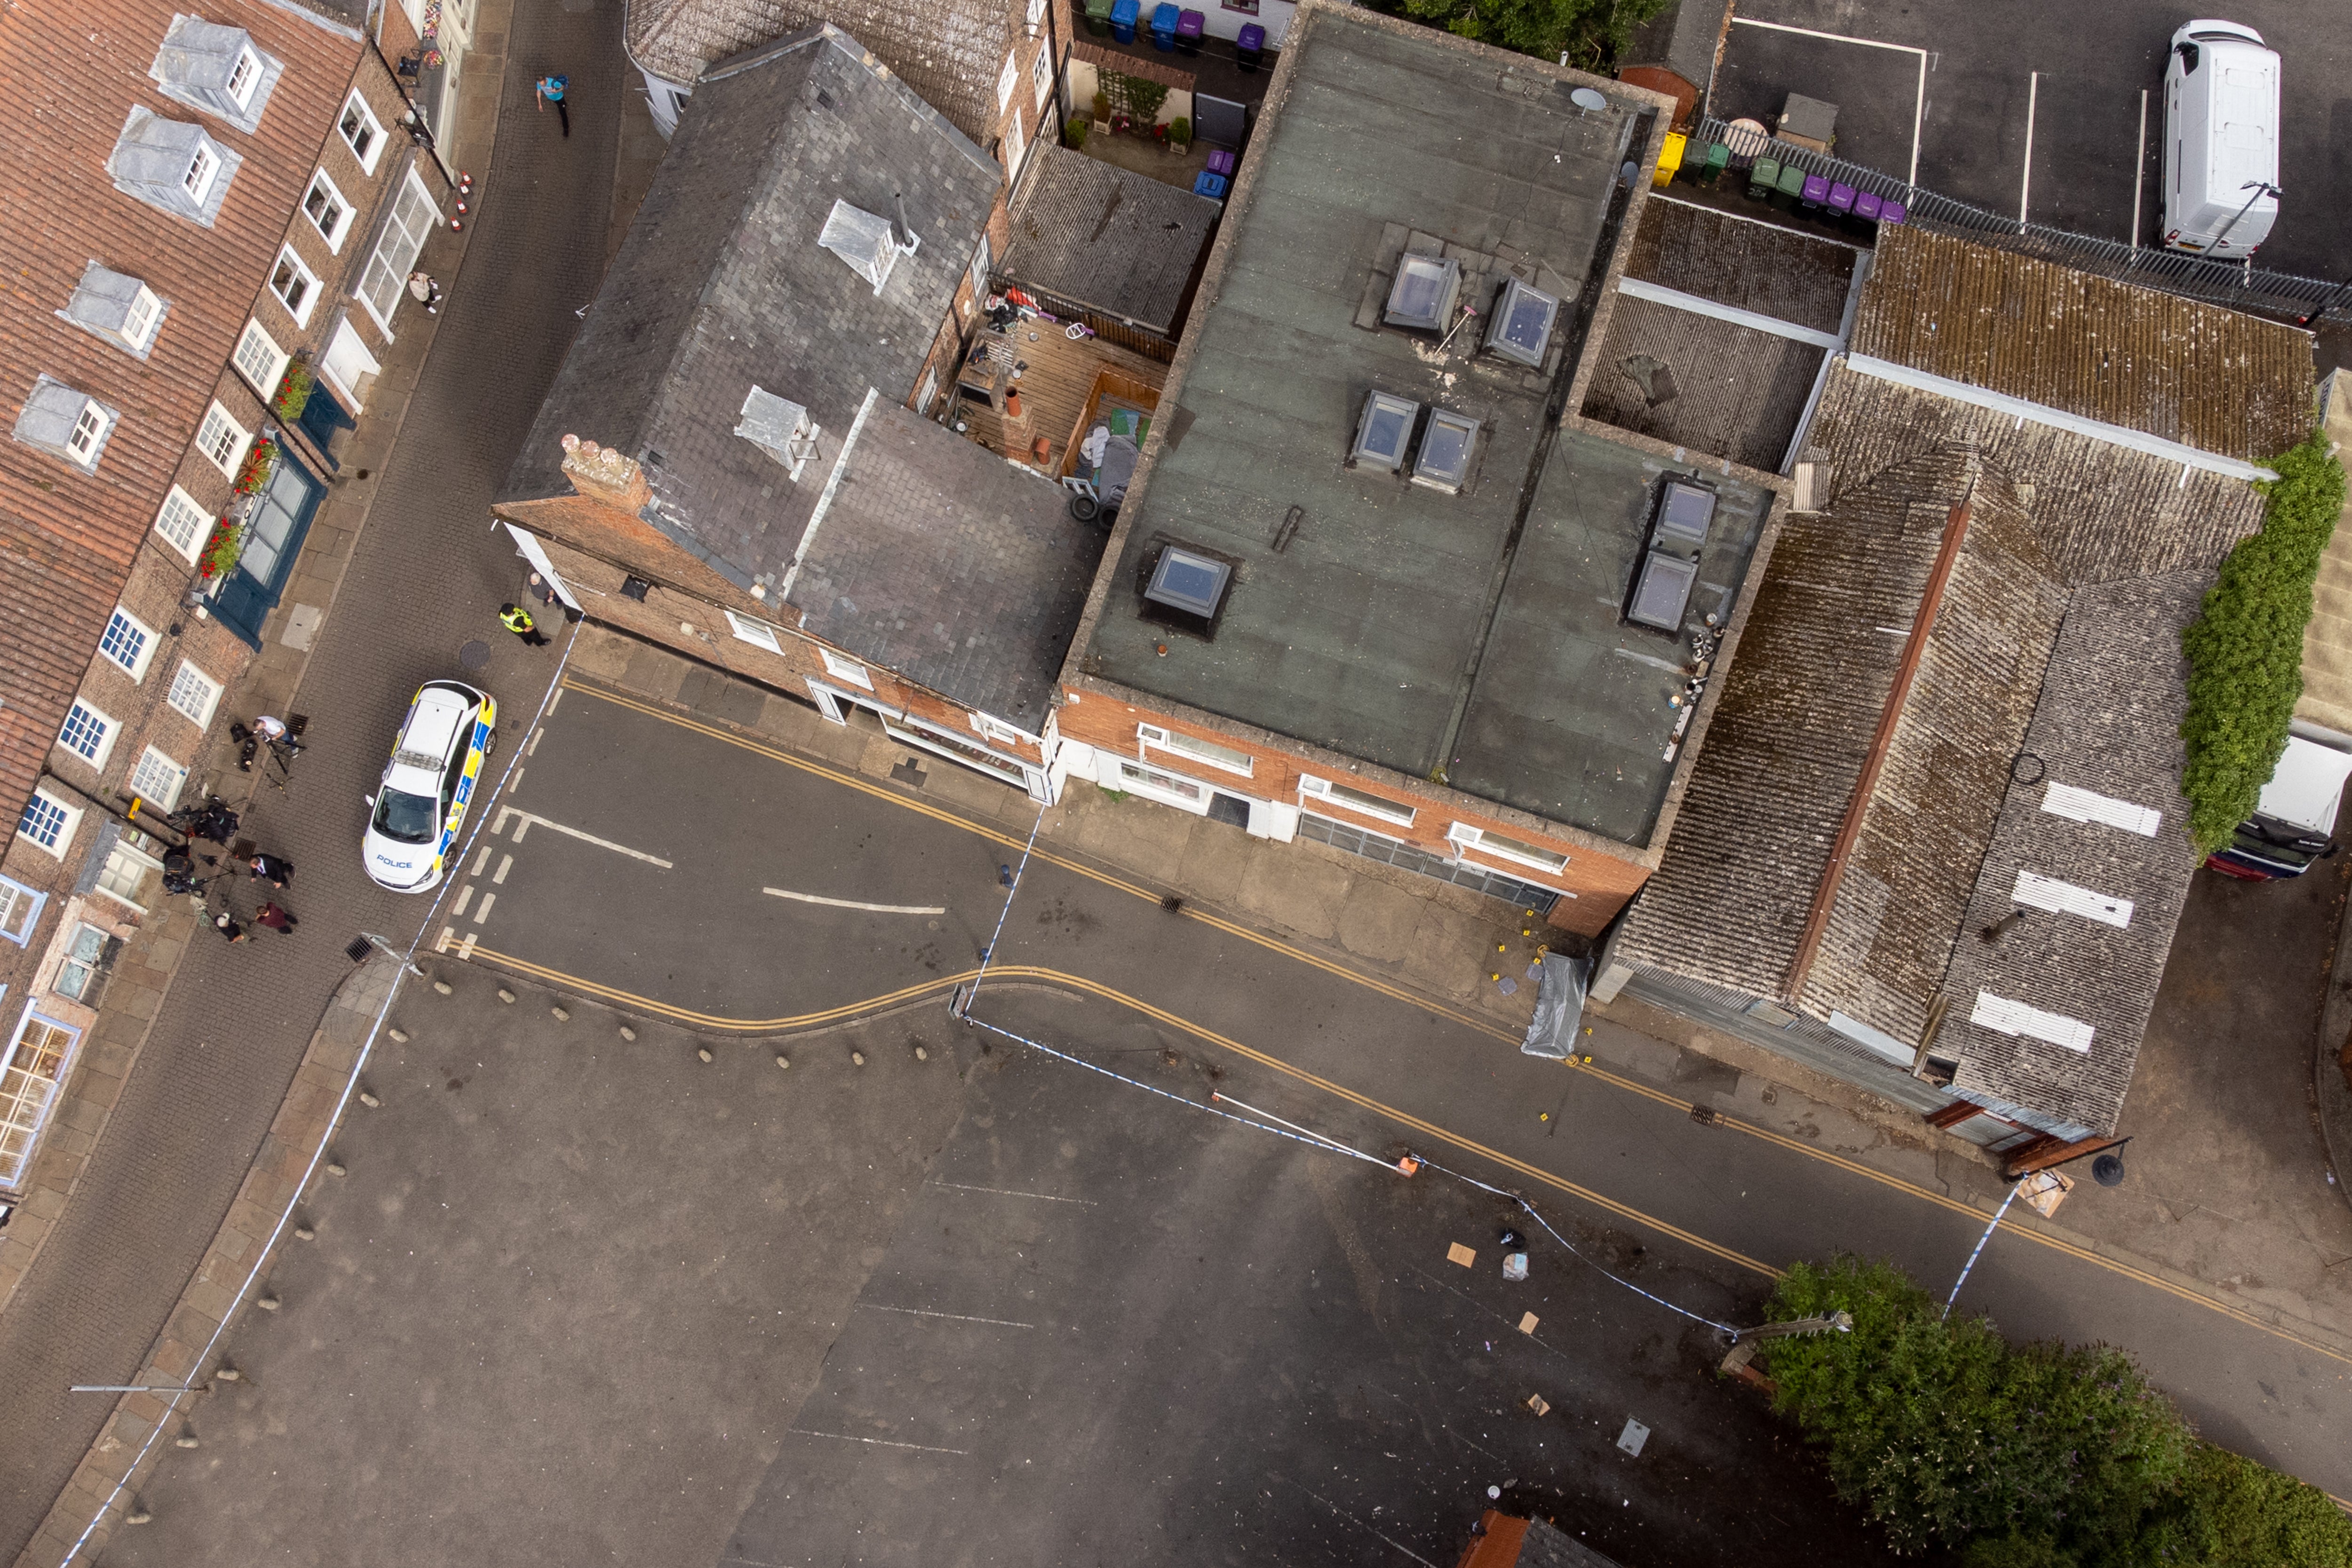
<point x="722" y="286"/>
<point x="942" y="560"/>
<point x="1102" y="235"/>
<point x="67" y="539"/>
<point x="2057" y="638"/>
<point x="950" y="51"/>
<point x="2207" y="377"/>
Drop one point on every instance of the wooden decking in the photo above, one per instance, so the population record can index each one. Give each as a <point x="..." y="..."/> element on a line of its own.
<point x="1053" y="389"/>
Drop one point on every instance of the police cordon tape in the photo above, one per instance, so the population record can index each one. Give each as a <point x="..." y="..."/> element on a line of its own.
<point x="960" y="1007"/>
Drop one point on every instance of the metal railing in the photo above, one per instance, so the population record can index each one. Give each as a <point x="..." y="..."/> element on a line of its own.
<point x="2240" y="285"/>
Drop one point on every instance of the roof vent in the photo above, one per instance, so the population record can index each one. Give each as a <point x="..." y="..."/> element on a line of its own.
<point x="1383" y="432"/>
<point x="867" y="243"/>
<point x="781" y="429"/>
<point x="1422" y="295"/>
<point x="1521" y="329"/>
<point x="1187" y="581"/>
<point x="1446" y="447"/>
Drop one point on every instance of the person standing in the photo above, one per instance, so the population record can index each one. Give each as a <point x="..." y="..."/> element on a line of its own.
<point x="274" y="869"/>
<point x="425" y="291"/>
<point x="276" y="918"/>
<point x="227" y="925"/>
<point x="516" y="619"/>
<point x="550" y="91"/>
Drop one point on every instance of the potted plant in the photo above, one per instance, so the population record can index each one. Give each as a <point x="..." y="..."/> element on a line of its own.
<point x="1073" y="135"/>
<point x="222" y="549"/>
<point x="293" y="390"/>
<point x="1102" y="110"/>
<point x="254" y="474"/>
<point x="1120" y="124"/>
<point x="1159" y="134"/>
<point x="1180" y="133"/>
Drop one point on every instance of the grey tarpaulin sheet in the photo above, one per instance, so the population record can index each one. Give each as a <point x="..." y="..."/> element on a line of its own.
<point x="1559" y="1007"/>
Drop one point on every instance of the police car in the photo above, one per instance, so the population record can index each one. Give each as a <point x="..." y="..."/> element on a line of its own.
<point x="435" y="767"/>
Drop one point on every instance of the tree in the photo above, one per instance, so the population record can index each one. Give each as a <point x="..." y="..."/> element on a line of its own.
<point x="1590" y="33"/>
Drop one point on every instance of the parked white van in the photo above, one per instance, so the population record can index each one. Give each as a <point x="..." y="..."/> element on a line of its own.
<point x="2221" y="140"/>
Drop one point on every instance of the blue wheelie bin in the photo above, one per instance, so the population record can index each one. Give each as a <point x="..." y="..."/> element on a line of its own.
<point x="1122" y="21"/>
<point x="1164" y="19"/>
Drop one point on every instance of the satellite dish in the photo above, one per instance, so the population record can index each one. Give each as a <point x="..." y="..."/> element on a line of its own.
<point x="1589" y="99"/>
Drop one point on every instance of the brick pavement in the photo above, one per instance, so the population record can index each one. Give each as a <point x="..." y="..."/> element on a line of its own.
<point x="424" y="576"/>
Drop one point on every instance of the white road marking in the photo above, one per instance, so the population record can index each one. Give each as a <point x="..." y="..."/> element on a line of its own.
<point x="515" y="783"/>
<point x="480" y="861"/>
<point x="448" y="934"/>
<point x="953" y="1316"/>
<point x="878" y="1442"/>
<point x="497" y="827"/>
<point x="558" y="698"/>
<point x="465" y="897"/>
<point x="532" y="750"/>
<point x="1010" y="1192"/>
<point x="2032" y="104"/>
<point x="1919" y="109"/>
<point x="466" y="948"/>
<point x="506" y="864"/>
<point x="852" y="903"/>
<point x="484" y="912"/>
<point x="525" y="821"/>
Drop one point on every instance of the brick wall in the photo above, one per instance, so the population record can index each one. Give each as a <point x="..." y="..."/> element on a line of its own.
<point x="1602" y="882"/>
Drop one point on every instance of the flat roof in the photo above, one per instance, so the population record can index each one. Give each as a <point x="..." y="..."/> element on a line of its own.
<point x="1476" y="636"/>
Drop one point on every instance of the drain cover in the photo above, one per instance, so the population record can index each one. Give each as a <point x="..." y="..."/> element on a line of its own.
<point x="474" y="654"/>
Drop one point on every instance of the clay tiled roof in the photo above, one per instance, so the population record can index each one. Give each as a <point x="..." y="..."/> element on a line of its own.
<point x="950" y="52"/>
<point x="2195" y="373"/>
<point x="67" y="539"/>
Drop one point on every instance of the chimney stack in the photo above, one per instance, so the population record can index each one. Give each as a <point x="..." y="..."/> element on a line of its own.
<point x="605" y="474"/>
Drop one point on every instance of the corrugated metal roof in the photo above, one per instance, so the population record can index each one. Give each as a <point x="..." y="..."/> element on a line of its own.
<point x="2196" y="374"/>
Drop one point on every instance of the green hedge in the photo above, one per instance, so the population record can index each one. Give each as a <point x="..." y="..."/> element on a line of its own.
<point x="2039" y="1456"/>
<point x="2245" y="647"/>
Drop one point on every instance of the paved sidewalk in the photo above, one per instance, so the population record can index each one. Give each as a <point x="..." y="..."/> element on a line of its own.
<point x="425" y="577"/>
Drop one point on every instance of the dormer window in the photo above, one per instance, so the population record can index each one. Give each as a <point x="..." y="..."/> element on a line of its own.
<point x="172" y="164"/>
<point x="116" y="306"/>
<point x="779" y="428"/>
<point x="216" y="69"/>
<point x="66" y="422"/>
<point x="1422" y="296"/>
<point x="1521" y="329"/>
<point x="870" y="245"/>
<point x="1384" y="431"/>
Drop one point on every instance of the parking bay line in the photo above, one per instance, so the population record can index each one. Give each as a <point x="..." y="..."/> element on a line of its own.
<point x="853" y="904"/>
<point x="952" y="1317"/>
<point x="1919" y="108"/>
<point x="526" y="820"/>
<point x="2016" y="1226"/>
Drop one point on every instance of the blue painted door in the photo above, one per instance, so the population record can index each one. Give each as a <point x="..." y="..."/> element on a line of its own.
<point x="273" y="539"/>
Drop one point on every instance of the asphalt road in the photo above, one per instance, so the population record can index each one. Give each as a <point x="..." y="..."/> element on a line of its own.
<point x="1725" y="1199"/>
<point x="2080" y="71"/>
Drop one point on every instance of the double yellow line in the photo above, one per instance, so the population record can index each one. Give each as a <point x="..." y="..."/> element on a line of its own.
<point x="945" y="984"/>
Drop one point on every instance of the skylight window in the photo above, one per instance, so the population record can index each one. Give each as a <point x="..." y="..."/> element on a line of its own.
<point x="1446" y="447"/>
<point x="1188" y="582"/>
<point x="870" y="245"/>
<point x="1684" y="513"/>
<point x="1422" y="295"/>
<point x="1521" y="329"/>
<point x="1661" y="592"/>
<point x="1382" y="434"/>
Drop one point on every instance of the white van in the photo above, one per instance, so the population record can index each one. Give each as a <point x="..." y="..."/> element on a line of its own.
<point x="2221" y="140"/>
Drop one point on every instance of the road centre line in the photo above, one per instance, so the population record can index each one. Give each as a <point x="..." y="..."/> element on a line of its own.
<point x="853" y="904"/>
<point x="878" y="1442"/>
<point x="483" y="913"/>
<point x="1919" y="109"/>
<point x="480" y="861"/>
<point x="529" y="820"/>
<point x="952" y="1317"/>
<point x="465" y="897"/>
<point x="1010" y="1192"/>
<point x="2016" y="1225"/>
<point x="506" y="864"/>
